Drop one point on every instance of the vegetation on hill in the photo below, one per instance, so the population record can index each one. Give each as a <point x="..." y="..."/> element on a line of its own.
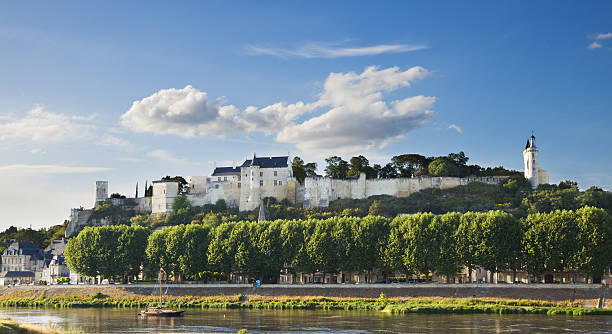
<point x="41" y="237"/>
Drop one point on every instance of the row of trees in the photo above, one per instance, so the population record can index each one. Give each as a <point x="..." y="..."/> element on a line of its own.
<point x="422" y="244"/>
<point x="404" y="165"/>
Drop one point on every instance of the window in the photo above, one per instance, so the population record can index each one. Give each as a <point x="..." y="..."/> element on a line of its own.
<point x="275" y="183"/>
<point x="261" y="183"/>
<point x="219" y="179"/>
<point x="260" y="173"/>
<point x="239" y="177"/>
<point x="275" y="173"/>
<point x="280" y="183"/>
<point x="238" y="184"/>
<point x="225" y="178"/>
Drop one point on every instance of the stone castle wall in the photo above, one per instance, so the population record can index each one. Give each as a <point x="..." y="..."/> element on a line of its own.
<point x="319" y="191"/>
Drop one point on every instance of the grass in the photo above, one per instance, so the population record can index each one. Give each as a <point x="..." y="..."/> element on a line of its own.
<point x="9" y="326"/>
<point x="391" y="305"/>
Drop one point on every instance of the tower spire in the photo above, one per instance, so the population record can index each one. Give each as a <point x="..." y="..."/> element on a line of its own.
<point x="136" y="190"/>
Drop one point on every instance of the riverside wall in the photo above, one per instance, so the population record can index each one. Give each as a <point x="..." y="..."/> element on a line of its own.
<point x="586" y="294"/>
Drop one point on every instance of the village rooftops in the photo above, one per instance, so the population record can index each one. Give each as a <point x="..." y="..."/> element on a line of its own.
<point x="24" y="248"/>
<point x="56" y="247"/>
<point x="267" y="162"/>
<point x="18" y="274"/>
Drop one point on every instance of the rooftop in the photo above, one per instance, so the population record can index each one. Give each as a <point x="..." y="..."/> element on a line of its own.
<point x="226" y="171"/>
<point x="18" y="274"/>
<point x="267" y="162"/>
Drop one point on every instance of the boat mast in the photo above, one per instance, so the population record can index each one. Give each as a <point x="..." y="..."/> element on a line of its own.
<point x="160" y="288"/>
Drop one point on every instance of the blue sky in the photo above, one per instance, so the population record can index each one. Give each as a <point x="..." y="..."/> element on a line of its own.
<point x="217" y="81"/>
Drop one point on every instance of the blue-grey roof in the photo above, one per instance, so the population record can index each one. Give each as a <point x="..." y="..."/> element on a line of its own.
<point x="226" y="171"/>
<point x="267" y="162"/>
<point x="18" y="274"/>
<point x="26" y="248"/>
<point x="56" y="247"/>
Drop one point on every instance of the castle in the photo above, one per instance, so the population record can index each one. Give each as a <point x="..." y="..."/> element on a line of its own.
<point x="246" y="185"/>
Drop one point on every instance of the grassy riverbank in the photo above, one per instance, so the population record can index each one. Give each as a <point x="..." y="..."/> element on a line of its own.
<point x="10" y="326"/>
<point x="384" y="304"/>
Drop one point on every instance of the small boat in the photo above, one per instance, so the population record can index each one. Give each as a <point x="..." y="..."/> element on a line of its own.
<point x="160" y="311"/>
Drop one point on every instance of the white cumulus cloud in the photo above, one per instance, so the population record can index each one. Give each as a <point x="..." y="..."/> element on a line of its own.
<point x="351" y="114"/>
<point x="188" y="112"/>
<point x="322" y="50"/>
<point x="41" y="126"/>
<point x="358" y="118"/>
<point x="603" y="36"/>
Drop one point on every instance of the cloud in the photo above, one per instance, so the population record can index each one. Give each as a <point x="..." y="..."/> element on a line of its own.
<point x="352" y="114"/>
<point x="321" y="50"/>
<point x="168" y="157"/>
<point x="358" y="119"/>
<point x="456" y="127"/>
<point x="188" y="112"/>
<point x="43" y="127"/>
<point x="50" y="169"/>
<point x="594" y="45"/>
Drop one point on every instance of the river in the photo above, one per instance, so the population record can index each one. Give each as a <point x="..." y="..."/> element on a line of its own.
<point x="97" y="320"/>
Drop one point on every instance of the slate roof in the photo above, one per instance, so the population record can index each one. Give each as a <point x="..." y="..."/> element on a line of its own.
<point x="26" y="248"/>
<point x="56" y="247"/>
<point x="18" y="274"/>
<point x="267" y="162"/>
<point x="226" y="171"/>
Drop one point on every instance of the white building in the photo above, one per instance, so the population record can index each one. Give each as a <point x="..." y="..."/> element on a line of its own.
<point x="533" y="173"/>
<point x="23" y="257"/>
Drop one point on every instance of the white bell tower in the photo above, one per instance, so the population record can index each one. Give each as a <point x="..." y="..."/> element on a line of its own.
<point x="530" y="156"/>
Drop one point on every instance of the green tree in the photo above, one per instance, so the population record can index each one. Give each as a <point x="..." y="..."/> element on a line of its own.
<point x="194" y="260"/>
<point x="182" y="183"/>
<point x="388" y="172"/>
<point x="220" y="256"/>
<point x="500" y="238"/>
<point x="301" y="170"/>
<point x="322" y="248"/>
<point x="594" y="241"/>
<point x="420" y="254"/>
<point x="409" y="165"/>
<point x="550" y="242"/>
<point x="108" y="251"/>
<point x="444" y="167"/>
<point x="157" y="256"/>
<point x="445" y="258"/>
<point x="393" y="254"/>
<point x="467" y="240"/>
<point x="180" y="202"/>
<point x="270" y="247"/>
<point x="595" y="197"/>
<point x="336" y="168"/>
<point x="375" y="208"/>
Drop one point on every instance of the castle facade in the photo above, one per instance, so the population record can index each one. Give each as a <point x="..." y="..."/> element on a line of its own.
<point x="246" y="185"/>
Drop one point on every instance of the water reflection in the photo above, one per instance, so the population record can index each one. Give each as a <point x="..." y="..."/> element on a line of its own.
<point x="270" y="321"/>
